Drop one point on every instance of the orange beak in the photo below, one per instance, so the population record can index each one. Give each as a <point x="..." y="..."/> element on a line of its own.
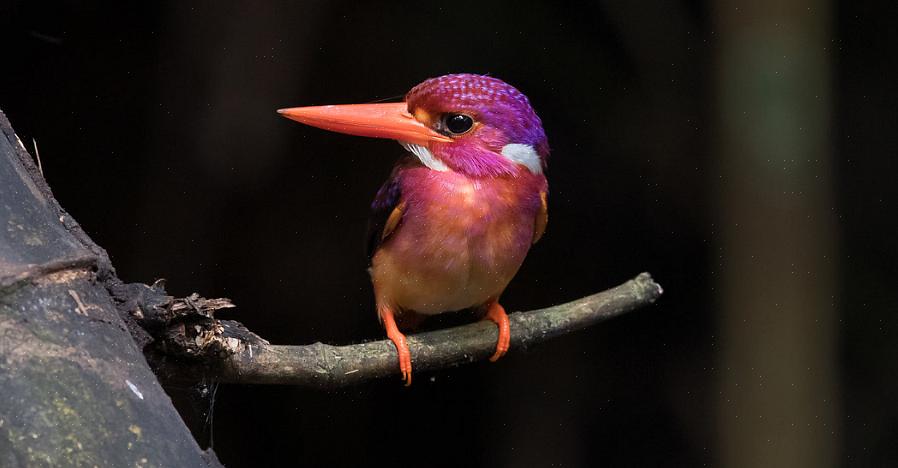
<point x="387" y="120"/>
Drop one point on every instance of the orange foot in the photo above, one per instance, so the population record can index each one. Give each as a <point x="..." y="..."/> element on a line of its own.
<point x="497" y="314"/>
<point x="398" y="339"/>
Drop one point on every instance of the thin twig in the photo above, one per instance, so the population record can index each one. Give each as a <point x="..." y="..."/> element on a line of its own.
<point x="325" y="366"/>
<point x="37" y="155"/>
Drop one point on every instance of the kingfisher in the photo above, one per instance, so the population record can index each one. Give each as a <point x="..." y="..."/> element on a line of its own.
<point x="452" y="224"/>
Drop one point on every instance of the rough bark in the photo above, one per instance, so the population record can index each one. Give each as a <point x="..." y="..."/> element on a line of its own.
<point x="76" y="389"/>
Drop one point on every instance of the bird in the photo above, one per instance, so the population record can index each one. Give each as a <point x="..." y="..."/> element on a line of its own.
<point x="463" y="205"/>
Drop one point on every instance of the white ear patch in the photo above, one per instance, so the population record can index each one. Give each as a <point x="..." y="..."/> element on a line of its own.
<point x="524" y="155"/>
<point x="425" y="156"/>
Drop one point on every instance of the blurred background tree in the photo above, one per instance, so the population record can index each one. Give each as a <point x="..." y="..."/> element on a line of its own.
<point x="777" y="261"/>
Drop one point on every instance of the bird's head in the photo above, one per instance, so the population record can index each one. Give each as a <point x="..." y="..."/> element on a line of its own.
<point x="473" y="124"/>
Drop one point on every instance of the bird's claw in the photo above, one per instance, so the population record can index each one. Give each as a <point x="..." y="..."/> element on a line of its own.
<point x="405" y="362"/>
<point x="496" y="313"/>
<point x="501" y="349"/>
<point x="398" y="339"/>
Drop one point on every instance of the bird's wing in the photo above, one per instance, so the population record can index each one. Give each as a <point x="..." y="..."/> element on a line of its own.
<point x="542" y="217"/>
<point x="386" y="211"/>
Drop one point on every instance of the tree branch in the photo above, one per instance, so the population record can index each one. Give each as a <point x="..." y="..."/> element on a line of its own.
<point x="326" y="366"/>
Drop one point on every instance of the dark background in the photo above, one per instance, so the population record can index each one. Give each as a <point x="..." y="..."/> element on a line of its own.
<point x="156" y="129"/>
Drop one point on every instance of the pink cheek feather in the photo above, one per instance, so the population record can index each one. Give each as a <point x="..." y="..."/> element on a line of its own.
<point x="476" y="153"/>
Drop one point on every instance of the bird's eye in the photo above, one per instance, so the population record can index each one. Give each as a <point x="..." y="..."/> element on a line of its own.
<point x="458" y="123"/>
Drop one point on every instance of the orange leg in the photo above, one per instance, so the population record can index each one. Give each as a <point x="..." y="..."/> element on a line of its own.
<point x="497" y="314"/>
<point x="398" y="339"/>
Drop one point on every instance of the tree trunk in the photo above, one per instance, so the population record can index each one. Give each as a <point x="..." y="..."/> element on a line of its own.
<point x="75" y="388"/>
